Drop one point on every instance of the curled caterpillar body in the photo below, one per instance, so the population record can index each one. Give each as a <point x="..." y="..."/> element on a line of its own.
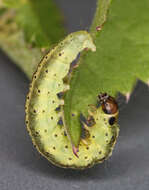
<point x="45" y="115"/>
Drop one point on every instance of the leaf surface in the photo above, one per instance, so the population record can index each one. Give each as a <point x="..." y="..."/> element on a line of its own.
<point x="41" y="22"/>
<point x="120" y="59"/>
<point x="26" y="27"/>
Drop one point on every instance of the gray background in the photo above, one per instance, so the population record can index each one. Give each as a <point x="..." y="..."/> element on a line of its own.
<point x="22" y="168"/>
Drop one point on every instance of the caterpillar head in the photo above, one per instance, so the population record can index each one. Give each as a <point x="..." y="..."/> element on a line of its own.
<point x="108" y="103"/>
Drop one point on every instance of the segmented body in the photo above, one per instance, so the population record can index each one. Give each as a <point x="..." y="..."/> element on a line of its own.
<point x="44" y="111"/>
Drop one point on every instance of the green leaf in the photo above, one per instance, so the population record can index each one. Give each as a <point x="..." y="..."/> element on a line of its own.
<point x="27" y="58"/>
<point x="12" y="42"/>
<point x="121" y="58"/>
<point x="12" y="3"/>
<point x="39" y="25"/>
<point x="41" y="22"/>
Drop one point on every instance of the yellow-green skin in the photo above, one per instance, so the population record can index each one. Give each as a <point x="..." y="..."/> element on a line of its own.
<point x="42" y="118"/>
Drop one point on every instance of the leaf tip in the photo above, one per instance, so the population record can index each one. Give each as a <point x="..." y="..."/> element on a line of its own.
<point x="75" y="150"/>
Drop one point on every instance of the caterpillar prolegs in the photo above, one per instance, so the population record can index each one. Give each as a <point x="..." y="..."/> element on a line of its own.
<point x="45" y="117"/>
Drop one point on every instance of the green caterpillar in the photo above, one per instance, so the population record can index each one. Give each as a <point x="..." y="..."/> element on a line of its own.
<point x="44" y="111"/>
